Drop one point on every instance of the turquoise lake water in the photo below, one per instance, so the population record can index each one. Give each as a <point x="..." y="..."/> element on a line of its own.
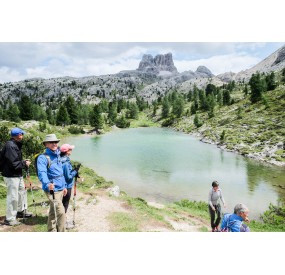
<point x="163" y="165"/>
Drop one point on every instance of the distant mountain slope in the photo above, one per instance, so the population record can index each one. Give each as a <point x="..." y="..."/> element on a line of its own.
<point x="274" y="62"/>
<point x="154" y="77"/>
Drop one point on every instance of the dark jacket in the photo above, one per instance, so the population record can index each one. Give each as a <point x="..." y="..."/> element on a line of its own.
<point x="13" y="162"/>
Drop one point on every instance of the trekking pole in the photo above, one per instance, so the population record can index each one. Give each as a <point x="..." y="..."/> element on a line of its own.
<point x="30" y="182"/>
<point x="74" y="194"/>
<point x="74" y="200"/>
<point x="54" y="207"/>
<point x="23" y="198"/>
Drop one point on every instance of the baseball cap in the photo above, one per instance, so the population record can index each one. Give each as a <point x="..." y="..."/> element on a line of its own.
<point x="17" y="131"/>
<point x="65" y="147"/>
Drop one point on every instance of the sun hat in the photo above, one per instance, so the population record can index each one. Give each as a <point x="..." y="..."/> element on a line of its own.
<point x="50" y="138"/>
<point x="17" y="131"/>
<point x="65" y="147"/>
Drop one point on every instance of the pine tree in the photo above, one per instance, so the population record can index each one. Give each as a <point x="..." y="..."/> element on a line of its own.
<point x="178" y="106"/>
<point x="270" y="81"/>
<point x="72" y="109"/>
<point x="165" y="108"/>
<point x="25" y="107"/>
<point x="257" y="87"/>
<point x="197" y="121"/>
<point x="112" y="115"/>
<point x="62" y="117"/>
<point x="13" y="113"/>
<point x="133" y="111"/>
<point x="96" y="119"/>
<point x="226" y="97"/>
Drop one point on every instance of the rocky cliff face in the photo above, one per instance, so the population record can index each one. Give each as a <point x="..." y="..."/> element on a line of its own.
<point x="157" y="65"/>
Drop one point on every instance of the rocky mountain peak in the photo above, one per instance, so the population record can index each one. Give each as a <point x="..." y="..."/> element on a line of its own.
<point x="204" y="70"/>
<point x="158" y="64"/>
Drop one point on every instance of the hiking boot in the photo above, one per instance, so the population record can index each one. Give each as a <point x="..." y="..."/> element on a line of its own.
<point x="217" y="229"/>
<point x="12" y="223"/>
<point x="69" y="225"/>
<point x="22" y="214"/>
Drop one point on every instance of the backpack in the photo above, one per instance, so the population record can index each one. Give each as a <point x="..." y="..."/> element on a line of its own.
<point x="228" y="226"/>
<point x="36" y="160"/>
<point x="2" y="152"/>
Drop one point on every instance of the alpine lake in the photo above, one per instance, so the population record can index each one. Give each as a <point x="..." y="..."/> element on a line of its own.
<point x="162" y="165"/>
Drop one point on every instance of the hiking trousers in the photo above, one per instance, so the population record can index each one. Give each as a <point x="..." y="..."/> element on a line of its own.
<point x="213" y="214"/>
<point x="16" y="197"/>
<point x="60" y="213"/>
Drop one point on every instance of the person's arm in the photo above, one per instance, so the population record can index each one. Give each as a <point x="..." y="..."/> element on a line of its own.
<point x="210" y="200"/>
<point x="42" y="164"/>
<point x="222" y="198"/>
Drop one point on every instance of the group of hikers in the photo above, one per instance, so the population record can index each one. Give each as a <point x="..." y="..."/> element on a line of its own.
<point x="57" y="177"/>
<point x="54" y="171"/>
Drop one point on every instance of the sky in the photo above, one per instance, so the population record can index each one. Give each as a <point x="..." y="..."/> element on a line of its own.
<point x="25" y="60"/>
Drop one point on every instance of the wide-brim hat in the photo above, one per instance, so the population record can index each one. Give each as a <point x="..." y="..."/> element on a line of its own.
<point x="50" y="138"/>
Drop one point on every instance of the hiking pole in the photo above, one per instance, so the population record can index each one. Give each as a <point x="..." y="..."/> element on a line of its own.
<point x="74" y="194"/>
<point x="30" y="182"/>
<point x="74" y="200"/>
<point x="23" y="198"/>
<point x="54" y="207"/>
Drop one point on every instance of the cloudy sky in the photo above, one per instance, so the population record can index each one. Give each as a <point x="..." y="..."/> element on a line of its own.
<point x="19" y="61"/>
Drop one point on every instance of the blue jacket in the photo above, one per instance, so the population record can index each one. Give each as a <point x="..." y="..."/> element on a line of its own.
<point x="234" y="223"/>
<point x="68" y="171"/>
<point x="52" y="174"/>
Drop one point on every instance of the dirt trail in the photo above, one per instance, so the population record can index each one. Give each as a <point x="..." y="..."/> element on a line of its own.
<point x="93" y="213"/>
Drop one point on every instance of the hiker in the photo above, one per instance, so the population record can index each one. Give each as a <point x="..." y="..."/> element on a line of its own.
<point x="215" y="195"/>
<point x="234" y="222"/>
<point x="50" y="173"/>
<point x="69" y="175"/>
<point x="13" y="165"/>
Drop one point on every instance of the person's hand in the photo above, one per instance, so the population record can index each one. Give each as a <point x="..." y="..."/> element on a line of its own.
<point x="51" y="186"/>
<point x="64" y="192"/>
<point x="28" y="162"/>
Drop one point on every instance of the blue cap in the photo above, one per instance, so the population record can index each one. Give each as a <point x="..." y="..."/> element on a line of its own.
<point x="17" y="131"/>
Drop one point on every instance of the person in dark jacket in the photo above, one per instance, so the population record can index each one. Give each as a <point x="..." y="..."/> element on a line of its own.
<point x="69" y="175"/>
<point x="13" y="165"/>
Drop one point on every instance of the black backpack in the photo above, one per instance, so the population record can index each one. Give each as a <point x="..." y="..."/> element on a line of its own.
<point x="2" y="152"/>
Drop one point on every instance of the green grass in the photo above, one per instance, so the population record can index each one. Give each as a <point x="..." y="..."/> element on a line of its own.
<point x="124" y="222"/>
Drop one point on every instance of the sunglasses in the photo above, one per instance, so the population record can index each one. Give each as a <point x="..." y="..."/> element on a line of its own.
<point x="56" y="142"/>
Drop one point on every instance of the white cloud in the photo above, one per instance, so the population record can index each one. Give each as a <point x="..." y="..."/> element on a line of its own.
<point x="220" y="63"/>
<point x="20" y="61"/>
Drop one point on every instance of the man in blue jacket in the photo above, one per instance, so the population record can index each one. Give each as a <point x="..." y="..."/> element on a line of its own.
<point x="234" y="222"/>
<point x="50" y="173"/>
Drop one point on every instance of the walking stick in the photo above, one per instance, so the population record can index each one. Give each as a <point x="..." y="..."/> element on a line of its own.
<point x="30" y="182"/>
<point x="54" y="207"/>
<point x="74" y="201"/>
<point x="74" y="194"/>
